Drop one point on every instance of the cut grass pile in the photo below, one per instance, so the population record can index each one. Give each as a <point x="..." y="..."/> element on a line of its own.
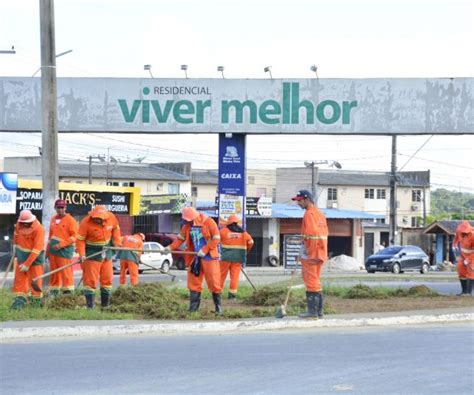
<point x="157" y="301"/>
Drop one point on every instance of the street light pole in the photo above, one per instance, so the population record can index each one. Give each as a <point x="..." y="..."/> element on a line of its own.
<point x="49" y="132"/>
<point x="315" y="174"/>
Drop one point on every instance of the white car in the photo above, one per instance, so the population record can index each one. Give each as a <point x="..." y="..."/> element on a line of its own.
<point x="154" y="259"/>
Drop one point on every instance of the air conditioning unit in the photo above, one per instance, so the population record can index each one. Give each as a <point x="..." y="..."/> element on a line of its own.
<point x="415" y="207"/>
<point x="332" y="204"/>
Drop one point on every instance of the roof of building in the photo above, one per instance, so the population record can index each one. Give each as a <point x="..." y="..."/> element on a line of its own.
<point x="341" y="177"/>
<point x="119" y="171"/>
<point x="204" y="177"/>
<point x="444" y="227"/>
<point x="373" y="178"/>
<point x="280" y="210"/>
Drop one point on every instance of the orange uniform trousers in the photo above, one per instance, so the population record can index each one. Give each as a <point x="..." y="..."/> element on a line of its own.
<point x="462" y="268"/>
<point x="132" y="268"/>
<point x="94" y="271"/>
<point x="22" y="281"/>
<point x="311" y="273"/>
<point x="210" y="270"/>
<point x="234" y="269"/>
<point x="63" y="279"/>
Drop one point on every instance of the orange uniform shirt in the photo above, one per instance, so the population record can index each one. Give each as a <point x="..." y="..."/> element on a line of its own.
<point x="29" y="244"/>
<point x="63" y="233"/>
<point x="235" y="245"/>
<point x="314" y="231"/>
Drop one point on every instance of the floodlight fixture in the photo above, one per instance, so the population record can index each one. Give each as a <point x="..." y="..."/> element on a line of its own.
<point x="221" y="69"/>
<point x="314" y="69"/>
<point x="147" y="67"/>
<point x="8" y="51"/>
<point x="268" y="69"/>
<point x="184" y="67"/>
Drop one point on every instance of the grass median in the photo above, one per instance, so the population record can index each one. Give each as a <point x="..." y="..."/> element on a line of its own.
<point x="157" y="301"/>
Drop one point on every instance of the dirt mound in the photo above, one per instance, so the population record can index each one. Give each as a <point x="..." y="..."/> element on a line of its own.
<point x="361" y="291"/>
<point x="151" y="301"/>
<point x="267" y="296"/>
<point x="63" y="302"/>
<point x="421" y="290"/>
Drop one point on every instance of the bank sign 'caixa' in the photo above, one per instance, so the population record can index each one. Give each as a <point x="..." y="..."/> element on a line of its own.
<point x="330" y="106"/>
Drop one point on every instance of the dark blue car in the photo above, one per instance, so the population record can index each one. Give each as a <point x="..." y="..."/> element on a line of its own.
<point x="398" y="259"/>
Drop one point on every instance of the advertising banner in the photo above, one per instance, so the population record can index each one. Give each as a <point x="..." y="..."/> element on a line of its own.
<point x="157" y="204"/>
<point x="8" y="191"/>
<point x="291" y="251"/>
<point x="251" y="106"/>
<point x="261" y="206"/>
<point x="232" y="176"/>
<point x="79" y="202"/>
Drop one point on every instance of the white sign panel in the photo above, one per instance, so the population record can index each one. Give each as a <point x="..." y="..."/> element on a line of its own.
<point x="8" y="191"/>
<point x="273" y="106"/>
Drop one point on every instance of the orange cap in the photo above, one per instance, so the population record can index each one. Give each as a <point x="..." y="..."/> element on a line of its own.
<point x="26" y="216"/>
<point x="98" y="212"/>
<point x="189" y="213"/>
<point x="233" y="219"/>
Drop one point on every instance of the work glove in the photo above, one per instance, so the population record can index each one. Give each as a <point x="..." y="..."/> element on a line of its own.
<point x="23" y="268"/>
<point x="82" y="259"/>
<point x="466" y="262"/>
<point x="167" y="250"/>
<point x="196" y="266"/>
<point x="201" y="254"/>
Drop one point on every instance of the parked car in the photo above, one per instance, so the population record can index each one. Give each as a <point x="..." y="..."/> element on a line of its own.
<point x="398" y="259"/>
<point x="165" y="239"/>
<point x="150" y="257"/>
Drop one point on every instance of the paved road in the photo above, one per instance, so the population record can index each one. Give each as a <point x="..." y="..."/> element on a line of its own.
<point x="396" y="360"/>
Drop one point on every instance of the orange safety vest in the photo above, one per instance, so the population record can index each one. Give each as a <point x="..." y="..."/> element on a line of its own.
<point x="235" y="245"/>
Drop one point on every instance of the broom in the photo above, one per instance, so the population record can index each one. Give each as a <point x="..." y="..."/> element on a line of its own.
<point x="34" y="283"/>
<point x="281" y="311"/>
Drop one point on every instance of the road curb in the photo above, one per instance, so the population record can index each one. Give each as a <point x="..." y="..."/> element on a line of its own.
<point x="72" y="331"/>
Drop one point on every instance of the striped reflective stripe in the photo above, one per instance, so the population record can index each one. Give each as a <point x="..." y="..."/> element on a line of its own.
<point x="234" y="246"/>
<point x="216" y="237"/>
<point x="467" y="250"/>
<point x="311" y="237"/>
<point x="181" y="237"/>
<point x="79" y="237"/>
<point x="98" y="243"/>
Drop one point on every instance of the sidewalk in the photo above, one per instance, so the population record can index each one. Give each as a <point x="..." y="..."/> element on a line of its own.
<point x="33" y="330"/>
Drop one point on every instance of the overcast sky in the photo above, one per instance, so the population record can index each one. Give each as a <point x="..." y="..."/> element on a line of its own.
<point x="345" y="39"/>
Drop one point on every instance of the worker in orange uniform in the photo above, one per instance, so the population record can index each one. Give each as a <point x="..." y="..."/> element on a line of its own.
<point x="29" y="242"/>
<point x="235" y="244"/>
<point x="60" y="250"/>
<point x="464" y="241"/>
<point x="98" y="229"/>
<point x="314" y="252"/>
<point x="201" y="235"/>
<point x="130" y="260"/>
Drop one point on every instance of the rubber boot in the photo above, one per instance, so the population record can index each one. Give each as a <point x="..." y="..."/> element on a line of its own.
<point x="320" y="304"/>
<point x="463" y="282"/>
<point x="217" y="303"/>
<point x="469" y="286"/>
<point x="194" y="301"/>
<point x="90" y="300"/>
<point x="311" y="303"/>
<point x="104" y="298"/>
<point x="36" y="302"/>
<point x="232" y="296"/>
<point x="18" y="303"/>
<point x="67" y="292"/>
<point x="53" y="292"/>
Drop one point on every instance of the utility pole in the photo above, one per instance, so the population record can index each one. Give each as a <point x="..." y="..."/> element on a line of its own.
<point x="393" y="193"/>
<point x="49" y="131"/>
<point x="90" y="169"/>
<point x="315" y="175"/>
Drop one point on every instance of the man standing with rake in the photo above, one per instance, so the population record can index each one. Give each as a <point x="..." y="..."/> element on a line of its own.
<point x="314" y="252"/>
